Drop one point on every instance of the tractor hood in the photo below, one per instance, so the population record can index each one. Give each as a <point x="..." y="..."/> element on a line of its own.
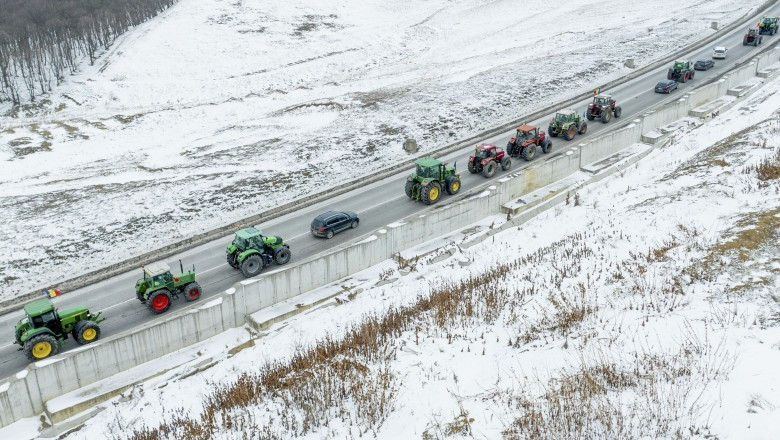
<point x="72" y="311"/>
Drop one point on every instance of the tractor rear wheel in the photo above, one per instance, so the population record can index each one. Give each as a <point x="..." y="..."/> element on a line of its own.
<point x="472" y="168"/>
<point x="618" y="111"/>
<point x="192" y="291"/>
<point x="283" y="254"/>
<point x="546" y="146"/>
<point x="552" y="132"/>
<point x="41" y="346"/>
<point x="409" y="188"/>
<point x="590" y="116"/>
<point x="606" y="116"/>
<point x="430" y="193"/>
<point x="670" y="74"/>
<point x="252" y="265"/>
<point x="529" y="152"/>
<point x="85" y="332"/>
<point x="684" y="77"/>
<point x="570" y="133"/>
<point x="489" y="169"/>
<point x="583" y="127"/>
<point x="453" y="185"/>
<point x="159" y="301"/>
<point x="506" y="163"/>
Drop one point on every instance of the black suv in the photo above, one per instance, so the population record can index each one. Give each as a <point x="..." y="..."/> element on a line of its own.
<point x="332" y="222"/>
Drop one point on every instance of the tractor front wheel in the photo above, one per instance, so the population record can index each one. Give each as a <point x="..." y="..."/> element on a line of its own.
<point x="85" y="332"/>
<point x="489" y="169"/>
<point x="546" y="146"/>
<point x="529" y="152"/>
<point x="618" y="111"/>
<point x="570" y="133"/>
<point x="159" y="301"/>
<point x="41" y="346"/>
<point x="282" y="255"/>
<point x="231" y="260"/>
<point x="409" y="189"/>
<point x="430" y="193"/>
<point x="192" y="291"/>
<point x="453" y="185"/>
<point x="506" y="163"/>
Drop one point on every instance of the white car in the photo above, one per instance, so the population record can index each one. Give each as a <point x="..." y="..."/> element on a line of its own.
<point x="719" y="53"/>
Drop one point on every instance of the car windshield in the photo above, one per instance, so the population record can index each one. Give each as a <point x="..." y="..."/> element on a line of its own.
<point x="426" y="172"/>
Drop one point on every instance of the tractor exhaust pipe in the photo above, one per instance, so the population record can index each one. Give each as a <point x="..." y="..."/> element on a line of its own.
<point x="181" y="266"/>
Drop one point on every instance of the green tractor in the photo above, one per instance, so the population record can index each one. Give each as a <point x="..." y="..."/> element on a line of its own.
<point x="567" y="123"/>
<point x="158" y="286"/>
<point x="428" y="180"/>
<point x="251" y="251"/>
<point x="767" y="26"/>
<point x="44" y="329"/>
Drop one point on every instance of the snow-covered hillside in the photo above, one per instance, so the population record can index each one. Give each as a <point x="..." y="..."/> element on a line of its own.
<point x="645" y="307"/>
<point x="190" y="121"/>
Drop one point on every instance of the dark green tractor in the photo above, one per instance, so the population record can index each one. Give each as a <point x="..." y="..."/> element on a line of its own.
<point x="428" y="180"/>
<point x="567" y="123"/>
<point x="767" y="26"/>
<point x="44" y="329"/>
<point x="158" y="286"/>
<point x="251" y="251"/>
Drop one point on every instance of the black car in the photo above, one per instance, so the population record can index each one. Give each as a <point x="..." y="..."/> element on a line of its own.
<point x="704" y="65"/>
<point x="666" y="86"/>
<point x="332" y="222"/>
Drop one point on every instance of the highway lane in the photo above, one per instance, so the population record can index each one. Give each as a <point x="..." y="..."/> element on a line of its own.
<point x="378" y="204"/>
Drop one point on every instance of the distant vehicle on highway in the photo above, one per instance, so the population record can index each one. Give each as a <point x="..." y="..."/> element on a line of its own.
<point x="330" y="223"/>
<point x="719" y="53"/>
<point x="666" y="86"/>
<point x="704" y="65"/>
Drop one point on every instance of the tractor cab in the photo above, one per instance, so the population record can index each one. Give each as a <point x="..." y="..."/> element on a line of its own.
<point x="602" y="100"/>
<point x="428" y="168"/>
<point x="679" y="66"/>
<point x="525" y="132"/>
<point x="41" y="313"/>
<point x="565" y="116"/>
<point x="157" y="275"/>
<point x="484" y="151"/>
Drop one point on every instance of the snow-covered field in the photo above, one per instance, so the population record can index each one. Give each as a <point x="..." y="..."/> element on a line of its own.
<point x="645" y="307"/>
<point x="218" y="109"/>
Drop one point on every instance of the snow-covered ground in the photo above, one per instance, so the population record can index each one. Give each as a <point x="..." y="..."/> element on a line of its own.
<point x="645" y="307"/>
<point x="218" y="109"/>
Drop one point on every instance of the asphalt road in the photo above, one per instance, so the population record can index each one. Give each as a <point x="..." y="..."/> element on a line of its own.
<point x="377" y="204"/>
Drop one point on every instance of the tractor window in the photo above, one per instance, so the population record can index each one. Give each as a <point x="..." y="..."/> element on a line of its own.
<point x="561" y="117"/>
<point x="601" y="101"/>
<point x="480" y="153"/>
<point x="37" y="321"/>
<point x="426" y="172"/>
<point x="240" y="243"/>
<point x="523" y="135"/>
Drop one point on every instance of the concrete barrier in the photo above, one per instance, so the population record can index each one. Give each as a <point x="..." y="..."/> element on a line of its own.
<point x="665" y="114"/>
<point x="610" y="143"/>
<point x="707" y="93"/>
<point x="740" y="75"/>
<point x="767" y="58"/>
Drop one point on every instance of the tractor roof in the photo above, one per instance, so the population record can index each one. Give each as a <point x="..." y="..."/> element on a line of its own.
<point x="156" y="268"/>
<point x="525" y="128"/>
<point x="427" y="162"/>
<point x="485" y="147"/>
<point x="38" y="307"/>
<point x="603" y="95"/>
<point x="248" y="233"/>
<point x="566" y="111"/>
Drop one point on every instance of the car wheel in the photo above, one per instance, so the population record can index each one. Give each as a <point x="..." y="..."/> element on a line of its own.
<point x="329" y="234"/>
<point x="354" y="224"/>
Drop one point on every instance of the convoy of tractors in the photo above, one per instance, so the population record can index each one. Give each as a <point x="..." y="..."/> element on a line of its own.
<point x="44" y="328"/>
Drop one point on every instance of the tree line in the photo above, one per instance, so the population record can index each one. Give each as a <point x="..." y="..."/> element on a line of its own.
<point x="43" y="40"/>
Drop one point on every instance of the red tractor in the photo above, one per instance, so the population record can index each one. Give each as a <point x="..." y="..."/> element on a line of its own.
<point x="526" y="140"/>
<point x="752" y="38"/>
<point x="603" y="107"/>
<point x="487" y="158"/>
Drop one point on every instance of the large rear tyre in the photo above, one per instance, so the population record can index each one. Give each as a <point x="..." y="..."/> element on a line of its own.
<point x="490" y="169"/>
<point x="430" y="193"/>
<point x="618" y="111"/>
<point x="192" y="291"/>
<point x="41" y="346"/>
<point x="552" y="132"/>
<point x="606" y="116"/>
<point x="570" y="133"/>
<point x="252" y="265"/>
<point x="590" y="116"/>
<point x="670" y="74"/>
<point x="85" y="332"/>
<point x="472" y="168"/>
<point x="283" y="254"/>
<point x="231" y="260"/>
<point x="453" y="185"/>
<point x="158" y="301"/>
<point x="583" y="128"/>
<point x="529" y="152"/>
